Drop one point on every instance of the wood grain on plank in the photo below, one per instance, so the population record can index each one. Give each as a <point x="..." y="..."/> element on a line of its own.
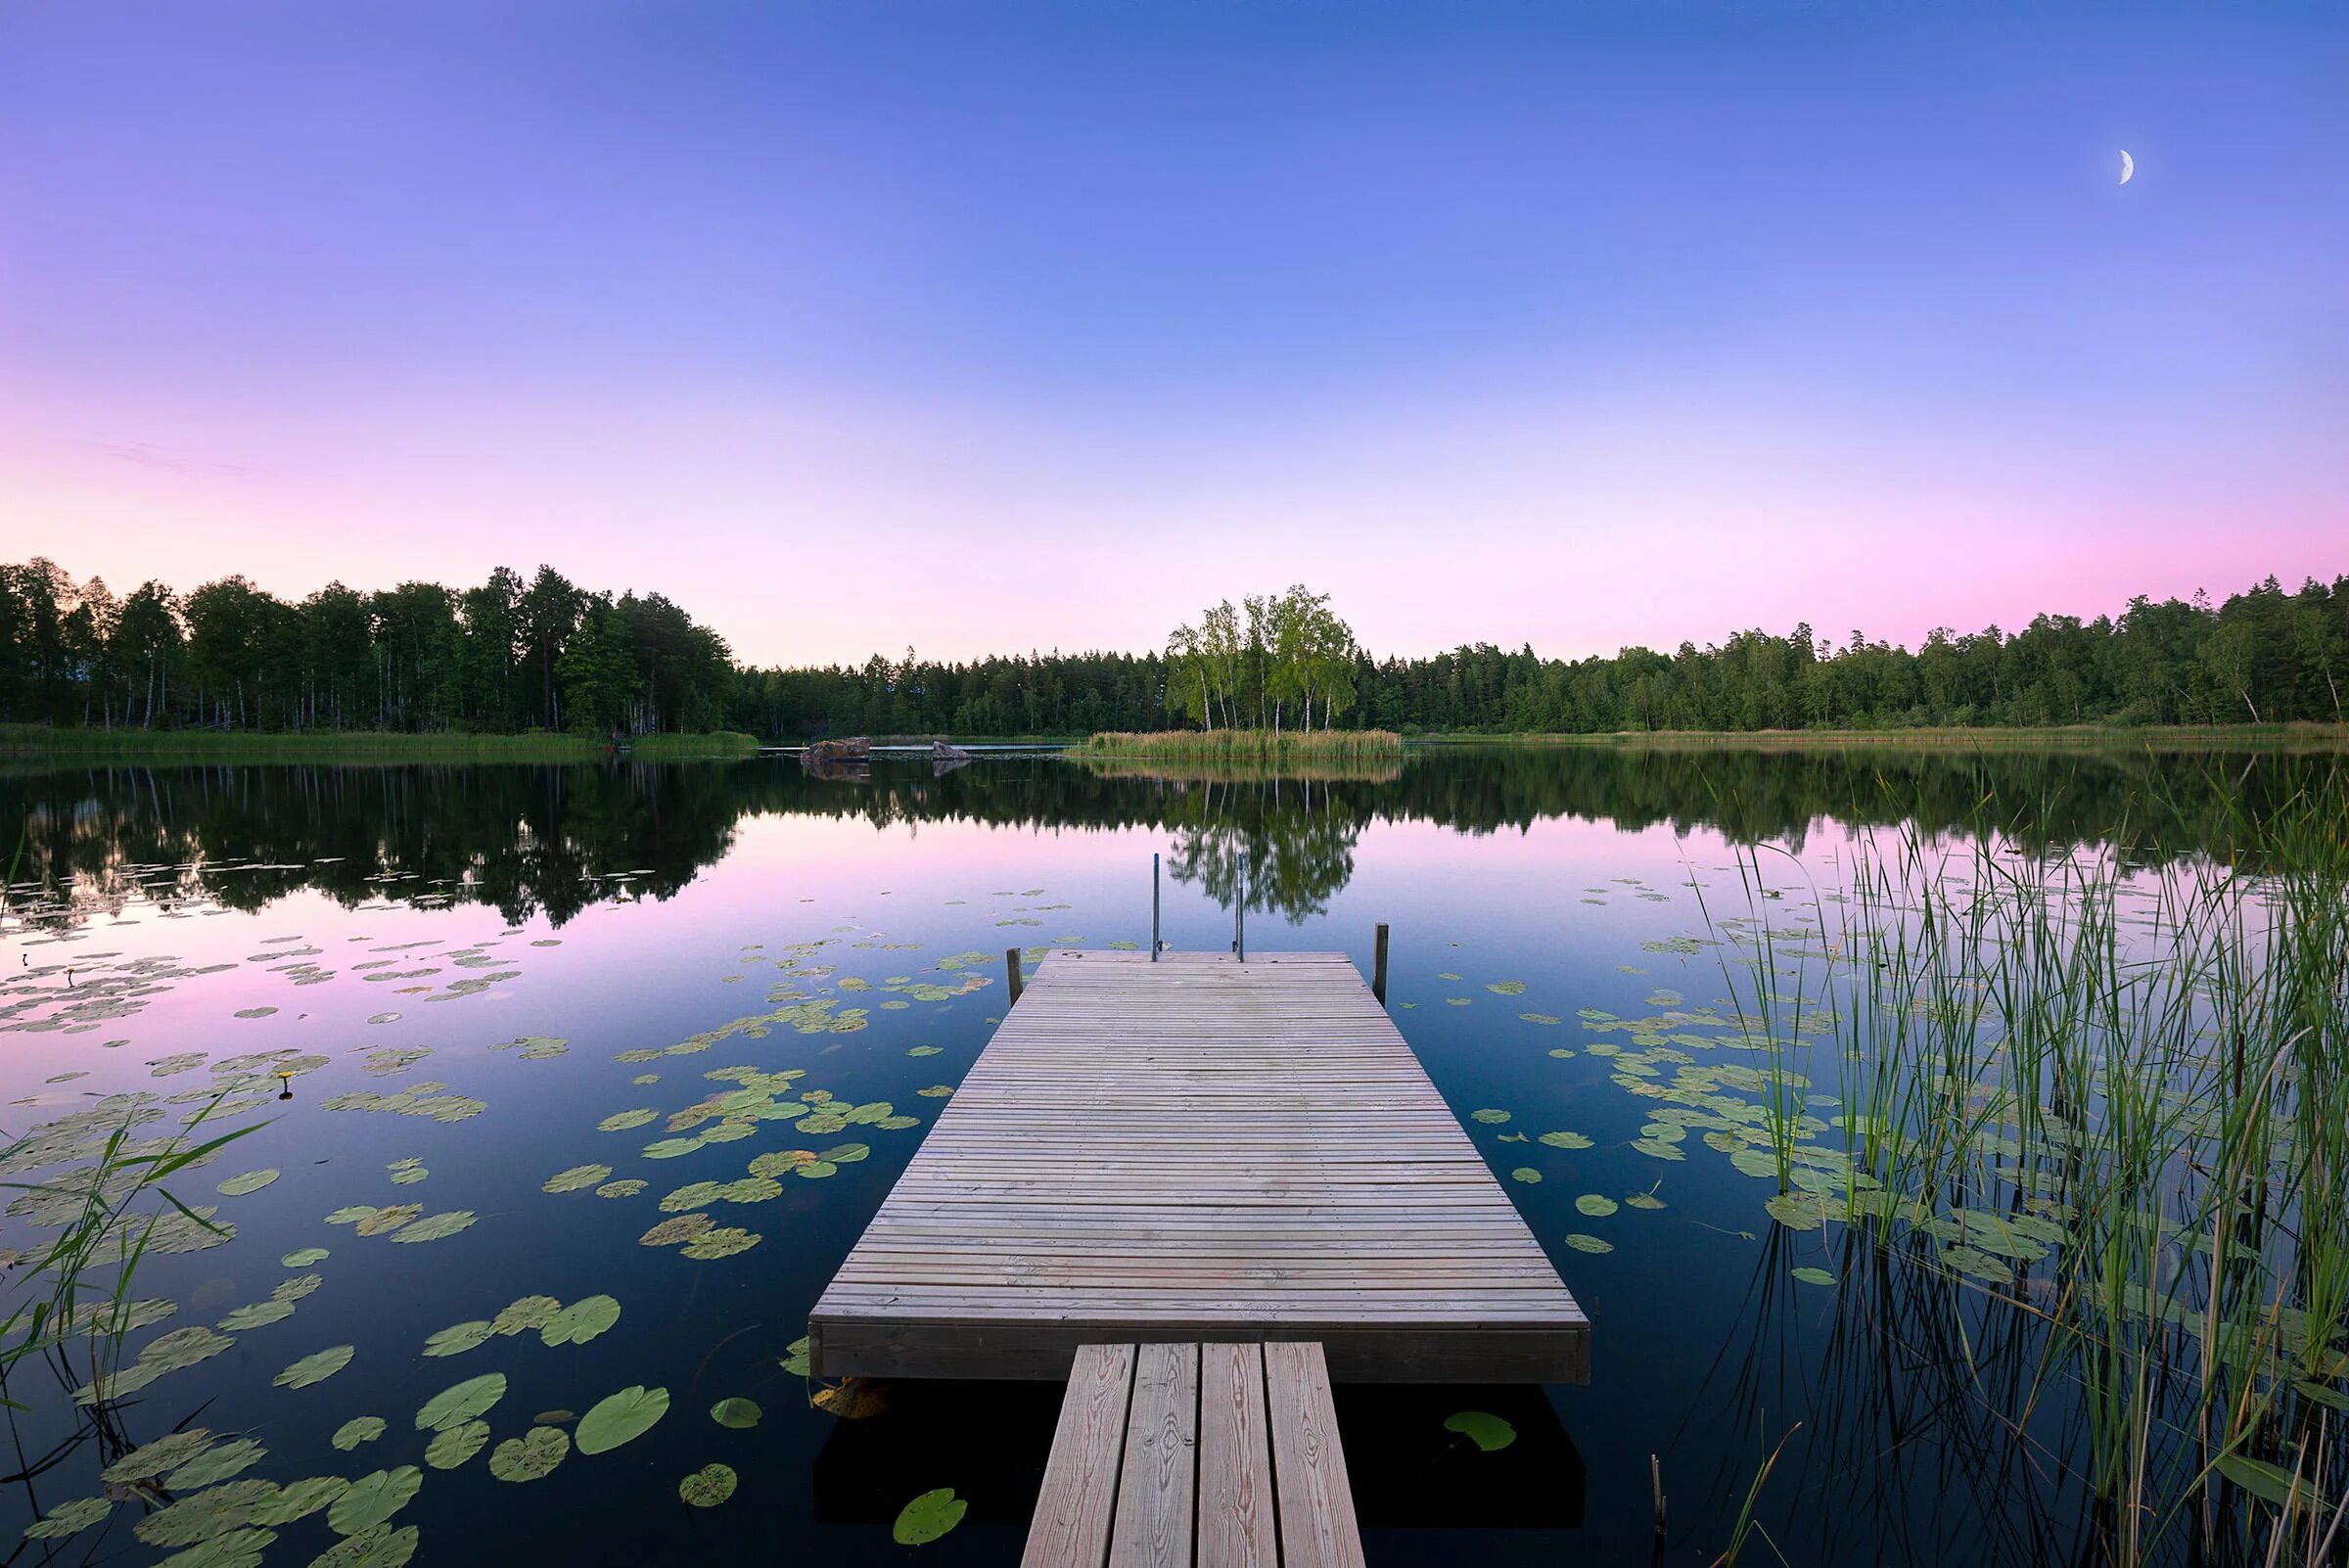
<point x="1317" y="1528"/>
<point x="1156" y="1489"/>
<point x="1078" y="1504"/>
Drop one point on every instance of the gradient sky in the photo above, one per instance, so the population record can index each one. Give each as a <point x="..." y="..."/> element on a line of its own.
<point x="996" y="326"/>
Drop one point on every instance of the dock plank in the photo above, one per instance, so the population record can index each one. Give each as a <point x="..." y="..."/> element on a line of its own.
<point x="1077" y="1506"/>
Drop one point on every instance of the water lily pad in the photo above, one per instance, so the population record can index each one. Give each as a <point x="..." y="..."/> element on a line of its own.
<point x="1814" y="1276"/>
<point x="1565" y="1141"/>
<point x="315" y="1367"/>
<point x="457" y="1338"/>
<point x="304" y="1256"/>
<point x="460" y="1403"/>
<point x="1489" y="1432"/>
<point x="1597" y="1205"/>
<point x="622" y="1416"/>
<point x="1525" y="1173"/>
<point x="795" y="1358"/>
<point x="214" y="1465"/>
<point x="580" y="1321"/>
<point x="622" y="1121"/>
<point x="381" y="1222"/>
<point x="1489" y="1116"/>
<point x="69" y="1519"/>
<point x="928" y="1517"/>
<point x="1581" y="1242"/>
<point x="527" y="1313"/>
<point x="531" y="1456"/>
<point x="256" y="1315"/>
<point x="452" y="1445"/>
<point x="723" y="1242"/>
<point x="237" y="1186"/>
<point x="302" y="1499"/>
<point x="626" y="1187"/>
<point x="576" y="1179"/>
<point x="151" y="1460"/>
<point x="376" y="1546"/>
<point x="736" y="1412"/>
<point x="436" y="1226"/>
<point x="358" y="1429"/>
<point x="707" y="1486"/>
<point x="373" y="1498"/>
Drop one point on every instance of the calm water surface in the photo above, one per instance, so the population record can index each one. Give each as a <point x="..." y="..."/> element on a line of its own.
<point x="472" y="971"/>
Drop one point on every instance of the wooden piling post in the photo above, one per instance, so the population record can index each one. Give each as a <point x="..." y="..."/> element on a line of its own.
<point x="1379" y="964"/>
<point x="1154" y="942"/>
<point x="1011" y="970"/>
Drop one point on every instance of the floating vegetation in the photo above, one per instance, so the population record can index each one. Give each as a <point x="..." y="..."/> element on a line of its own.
<point x="1580" y="1241"/>
<point x="315" y="1367"/>
<point x="621" y="1417"/>
<point x="576" y="1177"/>
<point x="737" y="1412"/>
<point x="237" y="1186"/>
<point x="532" y="1457"/>
<point x="434" y="1228"/>
<point x="580" y="1321"/>
<point x="373" y="1498"/>
<point x="928" y="1517"/>
<point x="460" y="1403"/>
<point x="358" y="1429"/>
<point x="452" y="1445"/>
<point x="458" y="1338"/>
<point x="707" y="1486"/>
<point x="1489" y="1432"/>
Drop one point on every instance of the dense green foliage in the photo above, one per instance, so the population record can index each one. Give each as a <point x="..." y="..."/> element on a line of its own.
<point x="506" y="656"/>
<point x="512" y="654"/>
<point x="2265" y="655"/>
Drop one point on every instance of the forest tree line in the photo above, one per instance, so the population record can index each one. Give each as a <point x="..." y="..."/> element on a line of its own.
<point x="542" y="653"/>
<point x="510" y="655"/>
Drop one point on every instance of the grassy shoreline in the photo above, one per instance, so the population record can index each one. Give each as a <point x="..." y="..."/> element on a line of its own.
<point x="1250" y="745"/>
<point x="2229" y="737"/>
<point x="341" y="745"/>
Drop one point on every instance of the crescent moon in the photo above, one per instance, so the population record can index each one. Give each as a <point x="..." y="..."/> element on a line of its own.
<point x="2128" y="166"/>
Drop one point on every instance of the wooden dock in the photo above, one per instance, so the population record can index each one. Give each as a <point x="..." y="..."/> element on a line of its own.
<point x="1198" y="1150"/>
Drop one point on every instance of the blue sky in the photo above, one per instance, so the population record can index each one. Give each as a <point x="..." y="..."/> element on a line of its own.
<point x="990" y="326"/>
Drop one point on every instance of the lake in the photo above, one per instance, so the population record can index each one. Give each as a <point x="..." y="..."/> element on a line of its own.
<point x="509" y="1003"/>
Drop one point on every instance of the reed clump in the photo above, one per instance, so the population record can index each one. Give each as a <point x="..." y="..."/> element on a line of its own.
<point x="2109" y="1107"/>
<point x="1250" y="745"/>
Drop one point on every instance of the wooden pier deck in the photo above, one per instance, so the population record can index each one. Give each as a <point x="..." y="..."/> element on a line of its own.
<point x="1198" y="1150"/>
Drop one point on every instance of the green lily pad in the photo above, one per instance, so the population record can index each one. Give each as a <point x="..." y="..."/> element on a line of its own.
<point x="215" y="1464"/>
<point x="531" y="1456"/>
<point x="1488" y="1116"/>
<point x="1597" y="1205"/>
<point x="928" y="1517"/>
<point x="437" y="1226"/>
<point x="531" y="1312"/>
<point x="237" y="1186"/>
<point x="376" y="1546"/>
<point x="302" y="1498"/>
<point x="619" y="1417"/>
<point x="315" y="1367"/>
<point x="736" y="1412"/>
<point x="373" y="1498"/>
<point x="460" y="1403"/>
<point x="1525" y="1173"/>
<point x="723" y="1242"/>
<point x="707" y="1486"/>
<point x="358" y="1429"/>
<point x="452" y="1445"/>
<point x="622" y="1121"/>
<point x="1814" y="1276"/>
<point x="258" y="1315"/>
<point x="576" y="1179"/>
<point x="69" y="1519"/>
<point x="1565" y="1141"/>
<point x="580" y="1321"/>
<point x="1581" y="1242"/>
<point x="794" y="1358"/>
<point x="151" y="1460"/>
<point x="1489" y="1432"/>
<point x="457" y="1338"/>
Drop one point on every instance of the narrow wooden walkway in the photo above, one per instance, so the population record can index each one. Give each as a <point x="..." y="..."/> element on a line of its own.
<point x="1220" y="1456"/>
<point x="1199" y="1150"/>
